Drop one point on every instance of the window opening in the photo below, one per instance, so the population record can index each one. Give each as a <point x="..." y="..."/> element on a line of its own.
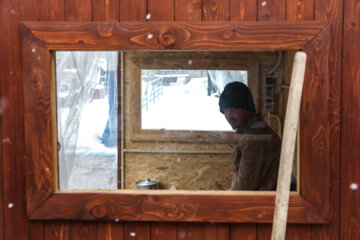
<point x="86" y="89"/>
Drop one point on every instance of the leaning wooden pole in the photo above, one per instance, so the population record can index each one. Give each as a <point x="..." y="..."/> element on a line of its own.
<point x="288" y="147"/>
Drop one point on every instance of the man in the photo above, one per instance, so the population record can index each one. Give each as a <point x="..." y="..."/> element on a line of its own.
<point x="255" y="160"/>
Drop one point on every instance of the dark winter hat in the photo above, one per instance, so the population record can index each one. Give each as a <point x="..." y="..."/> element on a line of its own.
<point x="236" y="95"/>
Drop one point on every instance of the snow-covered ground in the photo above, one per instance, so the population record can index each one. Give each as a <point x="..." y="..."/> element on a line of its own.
<point x="94" y="165"/>
<point x="181" y="107"/>
<point x="185" y="107"/>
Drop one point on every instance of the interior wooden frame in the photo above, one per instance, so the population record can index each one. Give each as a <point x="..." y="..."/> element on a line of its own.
<point x="134" y="98"/>
<point x="45" y="201"/>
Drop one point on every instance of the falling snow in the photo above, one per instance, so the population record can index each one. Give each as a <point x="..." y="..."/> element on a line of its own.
<point x="6" y="140"/>
<point x="148" y="16"/>
<point x="354" y="186"/>
<point x="150" y="36"/>
<point x="10" y="205"/>
<point x="263" y="4"/>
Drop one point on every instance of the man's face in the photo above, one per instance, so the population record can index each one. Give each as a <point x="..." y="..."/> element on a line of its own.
<point x="236" y="116"/>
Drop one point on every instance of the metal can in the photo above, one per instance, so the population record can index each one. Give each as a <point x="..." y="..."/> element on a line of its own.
<point x="148" y="184"/>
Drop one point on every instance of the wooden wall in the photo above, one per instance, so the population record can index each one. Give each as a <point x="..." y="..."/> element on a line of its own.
<point x="344" y="108"/>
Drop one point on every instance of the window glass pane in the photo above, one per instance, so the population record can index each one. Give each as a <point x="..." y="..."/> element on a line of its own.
<point x="185" y="99"/>
<point x="86" y="87"/>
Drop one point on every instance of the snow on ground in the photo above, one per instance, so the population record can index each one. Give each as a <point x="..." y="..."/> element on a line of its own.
<point x="94" y="166"/>
<point x="182" y="107"/>
<point x="185" y="107"/>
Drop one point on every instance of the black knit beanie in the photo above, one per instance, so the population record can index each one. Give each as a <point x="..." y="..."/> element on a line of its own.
<point x="236" y="95"/>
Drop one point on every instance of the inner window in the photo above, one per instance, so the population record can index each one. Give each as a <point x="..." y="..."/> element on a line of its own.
<point x="170" y="97"/>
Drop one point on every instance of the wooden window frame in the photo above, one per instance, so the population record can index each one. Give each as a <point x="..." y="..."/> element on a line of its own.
<point x="45" y="201"/>
<point x="133" y="97"/>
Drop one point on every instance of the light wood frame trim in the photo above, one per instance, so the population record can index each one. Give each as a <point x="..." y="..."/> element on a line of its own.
<point x="136" y="62"/>
<point x="45" y="202"/>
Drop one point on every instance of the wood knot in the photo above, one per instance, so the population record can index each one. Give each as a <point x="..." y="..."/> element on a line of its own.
<point x="167" y="39"/>
<point x="105" y="29"/>
<point x="98" y="211"/>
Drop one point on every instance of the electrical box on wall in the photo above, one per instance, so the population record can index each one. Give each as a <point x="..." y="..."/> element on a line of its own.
<point x="270" y="96"/>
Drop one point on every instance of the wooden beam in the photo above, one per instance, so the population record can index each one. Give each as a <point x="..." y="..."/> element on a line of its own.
<point x="176" y="35"/>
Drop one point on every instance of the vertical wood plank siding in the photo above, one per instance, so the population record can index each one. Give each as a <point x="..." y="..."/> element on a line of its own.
<point x="105" y="10"/>
<point x="15" y="222"/>
<point x="134" y="10"/>
<point x="51" y="10"/>
<point x="136" y="230"/>
<point x="299" y="10"/>
<point x="161" y="10"/>
<point x="5" y="73"/>
<point x="188" y="10"/>
<point x="79" y="10"/>
<point x="344" y="84"/>
<point x="48" y="10"/>
<point x="243" y="10"/>
<point x="332" y="11"/>
<point x="215" y="10"/>
<point x="83" y="230"/>
<point x="271" y="10"/>
<point x="56" y="230"/>
<point x="163" y="231"/>
<point x="350" y="154"/>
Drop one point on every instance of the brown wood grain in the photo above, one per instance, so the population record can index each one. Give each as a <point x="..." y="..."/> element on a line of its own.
<point x="105" y="10"/>
<point x="216" y="231"/>
<point x="300" y="10"/>
<point x="57" y="230"/>
<point x="24" y="10"/>
<point x="51" y="10"/>
<point x="39" y="140"/>
<point x="163" y="230"/>
<point x="350" y="131"/>
<point x="83" y="230"/>
<point x="15" y="222"/>
<point x="161" y="10"/>
<point x="264" y="231"/>
<point x="79" y="10"/>
<point x="298" y="232"/>
<point x="215" y="10"/>
<point x="110" y="230"/>
<point x="332" y="11"/>
<point x="134" y="10"/>
<point x="243" y="10"/>
<point x="176" y="35"/>
<point x="36" y="230"/>
<point x="172" y="207"/>
<point x="1" y="181"/>
<point x="271" y="10"/>
<point x="122" y="206"/>
<point x="316" y="148"/>
<point x="5" y="41"/>
<point x="293" y="232"/>
<point x="245" y="231"/>
<point x="136" y="231"/>
<point x="188" y="10"/>
<point x="190" y="231"/>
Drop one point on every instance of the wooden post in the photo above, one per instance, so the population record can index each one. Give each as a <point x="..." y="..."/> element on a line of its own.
<point x="288" y="147"/>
